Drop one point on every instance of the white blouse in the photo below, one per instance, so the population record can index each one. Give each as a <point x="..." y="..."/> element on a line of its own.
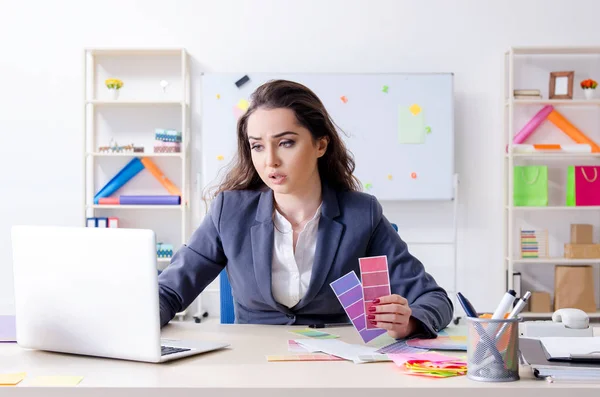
<point x="291" y="272"/>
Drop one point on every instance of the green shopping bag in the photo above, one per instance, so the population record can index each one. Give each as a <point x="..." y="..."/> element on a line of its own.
<point x="571" y="186"/>
<point x="530" y="186"/>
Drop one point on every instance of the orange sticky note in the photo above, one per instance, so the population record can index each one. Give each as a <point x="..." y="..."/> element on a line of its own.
<point x="413" y="175"/>
<point x="344" y="99"/>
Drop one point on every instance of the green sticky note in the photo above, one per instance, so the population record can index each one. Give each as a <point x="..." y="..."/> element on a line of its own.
<point x="385" y="89"/>
<point x="368" y="186"/>
<point x="411" y="125"/>
<point x="428" y="129"/>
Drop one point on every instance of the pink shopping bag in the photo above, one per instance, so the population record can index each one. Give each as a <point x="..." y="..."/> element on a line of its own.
<point x="587" y="185"/>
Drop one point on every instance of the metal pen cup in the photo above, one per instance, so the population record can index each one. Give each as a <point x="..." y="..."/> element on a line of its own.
<point x="493" y="349"/>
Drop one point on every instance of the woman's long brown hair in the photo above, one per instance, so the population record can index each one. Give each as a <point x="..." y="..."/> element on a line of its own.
<point x="336" y="166"/>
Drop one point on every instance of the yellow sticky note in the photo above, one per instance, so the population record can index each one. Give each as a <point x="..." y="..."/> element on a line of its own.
<point x="218" y="96"/>
<point x="57" y="381"/>
<point x="220" y="157"/>
<point x="390" y="177"/>
<point x="12" y="379"/>
<point x="243" y="104"/>
<point x="415" y="109"/>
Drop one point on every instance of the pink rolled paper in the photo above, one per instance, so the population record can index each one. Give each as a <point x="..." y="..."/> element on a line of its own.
<point x="533" y="124"/>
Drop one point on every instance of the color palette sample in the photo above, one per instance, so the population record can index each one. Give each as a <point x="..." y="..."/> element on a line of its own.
<point x="375" y="281"/>
<point x="311" y="333"/>
<point x="12" y="379"/>
<point x="349" y="292"/>
<point x="304" y="357"/>
<point x="400" y="347"/>
<point x="295" y="347"/>
<point x="440" y="343"/>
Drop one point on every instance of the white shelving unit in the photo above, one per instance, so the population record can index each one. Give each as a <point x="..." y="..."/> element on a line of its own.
<point x="559" y="59"/>
<point x="142" y="106"/>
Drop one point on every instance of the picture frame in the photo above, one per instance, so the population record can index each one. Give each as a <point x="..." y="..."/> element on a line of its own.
<point x="561" y="85"/>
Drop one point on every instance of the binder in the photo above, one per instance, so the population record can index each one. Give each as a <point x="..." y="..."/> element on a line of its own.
<point x="101" y="222"/>
<point x="91" y="222"/>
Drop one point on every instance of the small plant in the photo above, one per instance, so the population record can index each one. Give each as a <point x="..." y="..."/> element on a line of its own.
<point x="113" y="84"/>
<point x="589" y="84"/>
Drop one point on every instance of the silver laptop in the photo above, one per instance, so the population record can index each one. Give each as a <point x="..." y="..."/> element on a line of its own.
<point x="92" y="291"/>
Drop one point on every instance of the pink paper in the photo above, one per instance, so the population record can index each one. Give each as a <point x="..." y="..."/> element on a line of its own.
<point x="533" y="124"/>
<point x="401" y="358"/>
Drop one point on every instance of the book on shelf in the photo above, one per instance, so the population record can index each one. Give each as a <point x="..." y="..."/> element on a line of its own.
<point x="527" y="92"/>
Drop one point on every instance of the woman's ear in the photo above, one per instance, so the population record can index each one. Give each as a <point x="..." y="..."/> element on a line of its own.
<point x="322" y="145"/>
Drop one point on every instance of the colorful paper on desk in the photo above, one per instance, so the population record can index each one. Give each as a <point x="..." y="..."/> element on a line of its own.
<point x="295" y="347"/>
<point x="350" y="294"/>
<point x="304" y="357"/>
<point x="400" y="347"/>
<point x="440" y="343"/>
<point x="311" y="333"/>
<point x="337" y="348"/>
<point x="401" y="358"/>
<point x="60" y="381"/>
<point x="435" y="369"/>
<point x="12" y="379"/>
<point x="8" y="330"/>
<point x="375" y="281"/>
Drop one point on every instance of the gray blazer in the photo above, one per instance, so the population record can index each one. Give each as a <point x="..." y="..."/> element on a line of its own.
<point x="237" y="234"/>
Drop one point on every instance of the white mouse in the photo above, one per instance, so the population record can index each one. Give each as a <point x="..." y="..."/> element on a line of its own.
<point x="571" y="318"/>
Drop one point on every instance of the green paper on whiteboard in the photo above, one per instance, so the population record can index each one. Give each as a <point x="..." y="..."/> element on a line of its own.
<point x="411" y="126"/>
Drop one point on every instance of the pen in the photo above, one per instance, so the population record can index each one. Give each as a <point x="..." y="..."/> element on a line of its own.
<point x="466" y="305"/>
<point x="329" y="325"/>
<point x="515" y="312"/>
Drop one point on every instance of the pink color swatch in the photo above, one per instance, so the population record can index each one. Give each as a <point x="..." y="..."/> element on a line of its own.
<point x="375" y="281"/>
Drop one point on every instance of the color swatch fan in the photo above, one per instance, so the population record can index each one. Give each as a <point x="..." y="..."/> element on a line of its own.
<point x="349" y="292"/>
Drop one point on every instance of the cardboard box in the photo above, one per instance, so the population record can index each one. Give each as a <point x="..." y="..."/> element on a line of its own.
<point x="582" y="251"/>
<point x="540" y="302"/>
<point x="574" y="288"/>
<point x="582" y="234"/>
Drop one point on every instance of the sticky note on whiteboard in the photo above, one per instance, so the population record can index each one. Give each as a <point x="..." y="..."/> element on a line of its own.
<point x="411" y="127"/>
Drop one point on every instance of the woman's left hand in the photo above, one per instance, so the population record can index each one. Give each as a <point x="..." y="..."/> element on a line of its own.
<point x="392" y="313"/>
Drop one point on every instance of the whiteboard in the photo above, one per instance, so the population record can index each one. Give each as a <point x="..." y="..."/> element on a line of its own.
<point x="399" y="127"/>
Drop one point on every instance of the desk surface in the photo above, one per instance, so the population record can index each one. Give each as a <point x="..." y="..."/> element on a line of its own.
<point x="244" y="365"/>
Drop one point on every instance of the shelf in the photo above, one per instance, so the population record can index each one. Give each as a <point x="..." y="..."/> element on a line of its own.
<point x="556" y="208"/>
<point x="549" y="315"/>
<point x="570" y="102"/>
<point x="134" y="102"/>
<point x="137" y="207"/>
<point x="556" y="261"/>
<point x="556" y="50"/>
<point x="135" y="51"/>
<point x="96" y="154"/>
<point x="554" y="155"/>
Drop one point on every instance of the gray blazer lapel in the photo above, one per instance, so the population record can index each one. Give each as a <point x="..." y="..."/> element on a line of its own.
<point x="262" y="247"/>
<point x="328" y="241"/>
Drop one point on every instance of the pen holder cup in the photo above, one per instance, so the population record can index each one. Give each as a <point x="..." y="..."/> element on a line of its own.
<point x="493" y="349"/>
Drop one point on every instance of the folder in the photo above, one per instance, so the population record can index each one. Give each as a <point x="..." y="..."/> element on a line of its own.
<point x="580" y="349"/>
<point x="91" y="222"/>
<point x="101" y="222"/>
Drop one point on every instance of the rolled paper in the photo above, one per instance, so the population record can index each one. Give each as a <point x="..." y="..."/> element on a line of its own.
<point x="565" y="126"/>
<point x="122" y="177"/>
<point x="150" y="200"/>
<point x="533" y="124"/>
<point x="156" y="172"/>
<point x="109" y="201"/>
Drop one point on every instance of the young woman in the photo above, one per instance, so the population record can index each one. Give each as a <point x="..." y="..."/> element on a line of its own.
<point x="289" y="219"/>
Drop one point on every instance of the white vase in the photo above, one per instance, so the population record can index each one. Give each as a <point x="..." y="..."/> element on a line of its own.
<point x="589" y="93"/>
<point x="114" y="93"/>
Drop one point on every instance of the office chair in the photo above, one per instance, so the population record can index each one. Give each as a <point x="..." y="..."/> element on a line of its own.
<point x="226" y="298"/>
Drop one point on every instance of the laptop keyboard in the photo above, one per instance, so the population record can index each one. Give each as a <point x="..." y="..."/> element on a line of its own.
<point x="166" y="350"/>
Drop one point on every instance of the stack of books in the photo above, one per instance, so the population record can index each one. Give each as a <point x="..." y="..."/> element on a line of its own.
<point x="534" y="243"/>
<point x="527" y="94"/>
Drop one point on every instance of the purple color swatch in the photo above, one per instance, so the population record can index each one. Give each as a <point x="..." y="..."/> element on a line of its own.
<point x="350" y="294"/>
<point x="8" y="330"/>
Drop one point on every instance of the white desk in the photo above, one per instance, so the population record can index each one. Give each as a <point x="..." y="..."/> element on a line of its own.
<point x="242" y="370"/>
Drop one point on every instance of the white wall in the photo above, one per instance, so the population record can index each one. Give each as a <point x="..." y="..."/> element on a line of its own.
<point x="41" y="90"/>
